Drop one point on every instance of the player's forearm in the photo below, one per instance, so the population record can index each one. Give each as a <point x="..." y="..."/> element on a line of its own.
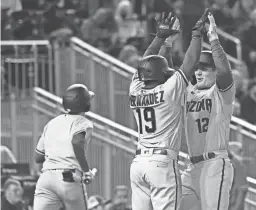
<point x="39" y="158"/>
<point x="192" y="56"/>
<point x="80" y="155"/>
<point x="166" y="51"/>
<point x="224" y="75"/>
<point x="154" y="47"/>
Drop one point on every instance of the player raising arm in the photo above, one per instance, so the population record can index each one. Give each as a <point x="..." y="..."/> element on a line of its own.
<point x="207" y="180"/>
<point x="157" y="101"/>
<point x="61" y="149"/>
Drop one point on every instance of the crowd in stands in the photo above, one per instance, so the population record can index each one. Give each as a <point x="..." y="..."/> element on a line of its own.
<point x="14" y="198"/>
<point x="121" y="28"/>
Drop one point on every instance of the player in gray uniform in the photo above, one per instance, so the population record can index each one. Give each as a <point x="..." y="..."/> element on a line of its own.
<point x="157" y="98"/>
<point x="61" y="149"/>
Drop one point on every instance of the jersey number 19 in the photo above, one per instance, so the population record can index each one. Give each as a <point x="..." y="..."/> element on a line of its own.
<point x="148" y="115"/>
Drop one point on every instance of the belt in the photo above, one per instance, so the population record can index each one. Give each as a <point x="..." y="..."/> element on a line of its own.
<point x="200" y="158"/>
<point x="62" y="169"/>
<point x="154" y="151"/>
<point x="75" y="171"/>
<point x="77" y="174"/>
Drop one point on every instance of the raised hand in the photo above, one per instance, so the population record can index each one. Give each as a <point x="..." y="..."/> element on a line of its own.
<point x="199" y="26"/>
<point x="166" y="26"/>
<point x="173" y="37"/>
<point x="212" y="28"/>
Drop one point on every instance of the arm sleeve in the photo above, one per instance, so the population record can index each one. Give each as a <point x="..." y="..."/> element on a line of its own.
<point x="192" y="57"/>
<point x="224" y="78"/>
<point x="175" y="86"/>
<point x="40" y="148"/>
<point x="166" y="52"/>
<point x="227" y="95"/>
<point x="136" y="83"/>
<point x="81" y="125"/>
<point x="154" y="47"/>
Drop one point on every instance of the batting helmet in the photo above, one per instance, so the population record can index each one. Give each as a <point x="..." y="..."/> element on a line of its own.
<point x="77" y="98"/>
<point x="206" y="58"/>
<point x="154" y="68"/>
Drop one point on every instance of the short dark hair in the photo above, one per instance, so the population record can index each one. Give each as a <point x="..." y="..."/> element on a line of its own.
<point x="10" y="182"/>
<point x="121" y="188"/>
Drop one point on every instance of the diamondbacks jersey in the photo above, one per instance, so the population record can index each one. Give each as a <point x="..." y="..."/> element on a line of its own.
<point x="208" y="117"/>
<point x="55" y="141"/>
<point x="159" y="111"/>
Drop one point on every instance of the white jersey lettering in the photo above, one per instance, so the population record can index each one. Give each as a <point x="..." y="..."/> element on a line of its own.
<point x="159" y="111"/>
<point x="208" y="117"/>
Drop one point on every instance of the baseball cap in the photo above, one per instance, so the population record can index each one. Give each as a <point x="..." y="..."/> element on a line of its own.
<point x="206" y="58"/>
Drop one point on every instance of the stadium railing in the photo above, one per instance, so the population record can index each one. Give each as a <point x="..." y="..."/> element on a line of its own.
<point x="110" y="79"/>
<point x="236" y="62"/>
<point x="111" y="149"/>
<point x="26" y="64"/>
<point x="80" y="62"/>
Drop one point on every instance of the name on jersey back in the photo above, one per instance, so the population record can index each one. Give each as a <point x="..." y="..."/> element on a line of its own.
<point x="147" y="99"/>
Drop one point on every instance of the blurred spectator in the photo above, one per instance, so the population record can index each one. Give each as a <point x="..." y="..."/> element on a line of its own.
<point x="95" y="202"/>
<point x="248" y="104"/>
<point x="192" y="11"/>
<point x="223" y="15"/>
<point x="239" y="84"/>
<point x="241" y="11"/>
<point x="123" y="11"/>
<point x="101" y="29"/>
<point x="12" y="198"/>
<point x="249" y="45"/>
<point x="52" y="21"/>
<point x="129" y="55"/>
<point x="240" y="185"/>
<point x="120" y="199"/>
<point x="11" y="5"/>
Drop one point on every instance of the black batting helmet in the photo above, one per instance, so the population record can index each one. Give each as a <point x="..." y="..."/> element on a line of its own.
<point x="77" y="98"/>
<point x="154" y="68"/>
<point x="206" y="58"/>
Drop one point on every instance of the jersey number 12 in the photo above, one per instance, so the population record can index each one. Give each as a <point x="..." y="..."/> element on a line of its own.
<point x="202" y="124"/>
<point x="148" y="115"/>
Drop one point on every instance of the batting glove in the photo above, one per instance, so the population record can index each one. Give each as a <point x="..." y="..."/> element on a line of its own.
<point x="198" y="29"/>
<point x="89" y="176"/>
<point x="166" y="25"/>
<point x="169" y="41"/>
<point x="212" y="29"/>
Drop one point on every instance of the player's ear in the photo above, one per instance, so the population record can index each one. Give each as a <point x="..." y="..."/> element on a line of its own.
<point x="88" y="107"/>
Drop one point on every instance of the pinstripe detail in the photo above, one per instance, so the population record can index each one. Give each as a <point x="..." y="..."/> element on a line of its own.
<point x="81" y="131"/>
<point x="226" y="89"/>
<point x="221" y="183"/>
<point x="183" y="76"/>
<point x="176" y="181"/>
<point x="40" y="152"/>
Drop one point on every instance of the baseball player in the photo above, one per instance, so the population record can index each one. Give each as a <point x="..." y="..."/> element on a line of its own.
<point x="61" y="149"/>
<point x="157" y="101"/>
<point x="208" y="179"/>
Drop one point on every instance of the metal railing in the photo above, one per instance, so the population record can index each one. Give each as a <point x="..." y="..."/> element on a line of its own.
<point x="234" y="39"/>
<point x="112" y="147"/>
<point x="236" y="62"/>
<point x="110" y="79"/>
<point x="26" y="64"/>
